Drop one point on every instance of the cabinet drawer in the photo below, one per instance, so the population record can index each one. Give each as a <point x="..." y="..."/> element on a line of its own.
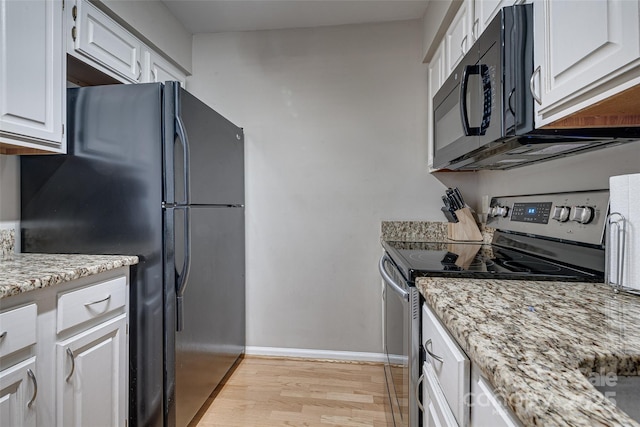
<point x="92" y="302"/>
<point x="453" y="368"/>
<point x="17" y="329"/>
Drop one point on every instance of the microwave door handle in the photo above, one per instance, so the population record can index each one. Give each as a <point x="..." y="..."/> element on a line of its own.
<point x="466" y="72"/>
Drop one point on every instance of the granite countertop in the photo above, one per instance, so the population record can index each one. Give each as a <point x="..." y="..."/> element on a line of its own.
<point x="26" y="272"/>
<point x="537" y="341"/>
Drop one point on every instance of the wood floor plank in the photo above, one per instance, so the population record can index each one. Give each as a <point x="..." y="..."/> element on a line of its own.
<point x="267" y="392"/>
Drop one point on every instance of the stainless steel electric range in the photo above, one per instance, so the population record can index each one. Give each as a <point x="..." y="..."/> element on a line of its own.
<point x="556" y="237"/>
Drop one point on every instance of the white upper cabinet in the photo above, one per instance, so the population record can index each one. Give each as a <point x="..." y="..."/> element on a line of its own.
<point x="32" y="76"/>
<point x="96" y="36"/>
<point x="158" y="69"/>
<point x="585" y="51"/>
<point x="98" y="40"/>
<point x="458" y="38"/>
<point x="485" y="11"/>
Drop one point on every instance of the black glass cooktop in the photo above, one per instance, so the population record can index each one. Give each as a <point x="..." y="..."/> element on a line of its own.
<point x="476" y="260"/>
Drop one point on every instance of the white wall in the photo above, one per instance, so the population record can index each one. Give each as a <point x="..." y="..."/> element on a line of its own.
<point x="335" y="143"/>
<point x="10" y="194"/>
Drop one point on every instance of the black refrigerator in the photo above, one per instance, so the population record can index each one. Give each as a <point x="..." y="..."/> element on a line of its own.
<point x="152" y="171"/>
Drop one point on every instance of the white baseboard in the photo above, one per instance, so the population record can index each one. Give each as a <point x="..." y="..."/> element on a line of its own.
<point x="314" y="354"/>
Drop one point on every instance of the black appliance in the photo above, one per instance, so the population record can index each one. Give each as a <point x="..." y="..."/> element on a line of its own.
<point x="550" y="237"/>
<point x="152" y="171"/>
<point x="484" y="111"/>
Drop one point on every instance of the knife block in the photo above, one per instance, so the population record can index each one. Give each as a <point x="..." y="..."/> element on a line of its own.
<point x="466" y="229"/>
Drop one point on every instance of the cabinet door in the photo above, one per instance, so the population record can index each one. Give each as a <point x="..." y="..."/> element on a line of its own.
<point x="580" y="46"/>
<point x="458" y="38"/>
<point x="91" y="377"/>
<point x="97" y="36"/>
<point x="32" y="101"/>
<point x="436" y="409"/>
<point x="486" y="409"/>
<point x="485" y="11"/>
<point x="18" y="393"/>
<point x="158" y="69"/>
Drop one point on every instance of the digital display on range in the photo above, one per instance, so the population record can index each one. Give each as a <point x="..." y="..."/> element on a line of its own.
<point x="535" y="212"/>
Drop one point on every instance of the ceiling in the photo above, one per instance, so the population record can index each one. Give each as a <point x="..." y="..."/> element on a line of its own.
<point x="214" y="16"/>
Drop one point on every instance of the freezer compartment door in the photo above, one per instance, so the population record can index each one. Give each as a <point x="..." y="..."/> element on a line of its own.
<point x="212" y="334"/>
<point x="211" y="150"/>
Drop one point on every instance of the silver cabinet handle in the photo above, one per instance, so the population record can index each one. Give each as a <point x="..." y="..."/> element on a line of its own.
<point x="139" y="70"/>
<point x="32" y="377"/>
<point x="418" y="393"/>
<point x="474" y="34"/>
<point x="108" y="297"/>
<point x="426" y="347"/>
<point x="73" y="364"/>
<point x="532" y="86"/>
<point x="155" y="75"/>
<point x="462" y="43"/>
<point x="2" y="335"/>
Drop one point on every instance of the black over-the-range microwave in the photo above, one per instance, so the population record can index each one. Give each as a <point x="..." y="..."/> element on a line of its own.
<point x="484" y="112"/>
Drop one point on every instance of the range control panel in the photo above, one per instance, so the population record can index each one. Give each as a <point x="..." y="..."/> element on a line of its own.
<point x="531" y="212"/>
<point x="578" y="217"/>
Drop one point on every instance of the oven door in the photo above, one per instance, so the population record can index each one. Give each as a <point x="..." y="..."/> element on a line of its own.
<point x="401" y="344"/>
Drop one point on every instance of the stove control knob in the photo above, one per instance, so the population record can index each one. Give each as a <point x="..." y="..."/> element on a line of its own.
<point x="582" y="214"/>
<point x="502" y="211"/>
<point x="561" y="213"/>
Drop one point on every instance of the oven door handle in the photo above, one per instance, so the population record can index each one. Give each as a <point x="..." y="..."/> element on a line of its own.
<point x="389" y="280"/>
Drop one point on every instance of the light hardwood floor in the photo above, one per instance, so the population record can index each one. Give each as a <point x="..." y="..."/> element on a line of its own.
<point x="265" y="392"/>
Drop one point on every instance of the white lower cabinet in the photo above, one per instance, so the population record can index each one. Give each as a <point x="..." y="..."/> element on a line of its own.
<point x="18" y="393"/>
<point x="437" y="412"/>
<point x="64" y="354"/>
<point x="18" y="382"/>
<point x="448" y="363"/>
<point x="487" y="409"/>
<point x="454" y="392"/>
<point x="91" y="370"/>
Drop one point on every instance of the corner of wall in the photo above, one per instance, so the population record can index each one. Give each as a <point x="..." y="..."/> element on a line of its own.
<point x="10" y="195"/>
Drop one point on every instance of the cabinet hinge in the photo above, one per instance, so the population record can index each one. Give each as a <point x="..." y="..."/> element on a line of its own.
<point x="62" y="130"/>
<point x="127" y="329"/>
<point x="62" y="4"/>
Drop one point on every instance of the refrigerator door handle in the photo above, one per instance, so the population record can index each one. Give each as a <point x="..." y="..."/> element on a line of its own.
<point x="184" y="139"/>
<point x="182" y="278"/>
